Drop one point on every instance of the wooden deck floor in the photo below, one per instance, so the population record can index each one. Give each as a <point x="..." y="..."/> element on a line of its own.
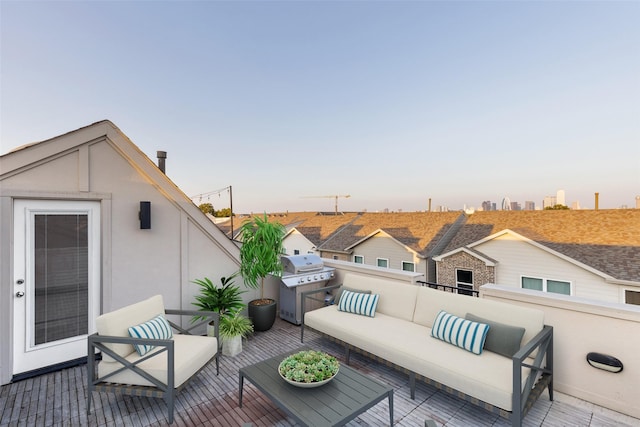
<point x="59" y="399"/>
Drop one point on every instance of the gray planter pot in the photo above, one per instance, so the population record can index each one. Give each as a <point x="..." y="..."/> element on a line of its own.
<point x="232" y="346"/>
<point x="263" y="316"/>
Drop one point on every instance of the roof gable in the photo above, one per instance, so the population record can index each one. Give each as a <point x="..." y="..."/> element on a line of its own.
<point x="418" y="231"/>
<point x="607" y="241"/>
<point x="33" y="155"/>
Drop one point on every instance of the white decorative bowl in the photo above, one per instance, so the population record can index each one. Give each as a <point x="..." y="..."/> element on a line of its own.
<point x="308" y="385"/>
<point x="310" y="360"/>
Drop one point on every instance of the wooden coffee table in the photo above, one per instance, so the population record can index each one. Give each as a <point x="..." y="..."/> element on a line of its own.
<point x="345" y="397"/>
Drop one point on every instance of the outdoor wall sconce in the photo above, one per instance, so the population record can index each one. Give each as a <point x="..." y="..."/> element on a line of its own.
<point x="145" y="215"/>
<point x="604" y="362"/>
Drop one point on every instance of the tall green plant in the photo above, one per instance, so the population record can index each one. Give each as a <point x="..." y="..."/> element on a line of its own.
<point x="260" y="251"/>
<point x="225" y="299"/>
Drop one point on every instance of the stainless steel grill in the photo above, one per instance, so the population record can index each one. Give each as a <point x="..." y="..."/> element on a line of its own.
<point x="300" y="273"/>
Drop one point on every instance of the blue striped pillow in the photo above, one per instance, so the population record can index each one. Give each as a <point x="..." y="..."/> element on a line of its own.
<point x="358" y="303"/>
<point x="460" y="332"/>
<point x="157" y="328"/>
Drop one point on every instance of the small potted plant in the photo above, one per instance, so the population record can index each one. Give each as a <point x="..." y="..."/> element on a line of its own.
<point x="232" y="329"/>
<point x="226" y="299"/>
<point x="260" y="255"/>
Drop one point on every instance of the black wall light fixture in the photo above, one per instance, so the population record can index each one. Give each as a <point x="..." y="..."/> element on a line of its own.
<point x="604" y="362"/>
<point x="145" y="215"/>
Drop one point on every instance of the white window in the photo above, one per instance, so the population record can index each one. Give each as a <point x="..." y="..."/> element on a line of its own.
<point x="408" y="266"/>
<point x="464" y="281"/>
<point x="546" y="285"/>
<point x="358" y="259"/>
<point x="382" y="262"/>
<point x="632" y="297"/>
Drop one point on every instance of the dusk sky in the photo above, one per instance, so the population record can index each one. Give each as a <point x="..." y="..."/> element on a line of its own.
<point x="390" y="102"/>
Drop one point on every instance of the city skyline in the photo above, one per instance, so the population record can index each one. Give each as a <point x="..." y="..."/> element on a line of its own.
<point x="393" y="103"/>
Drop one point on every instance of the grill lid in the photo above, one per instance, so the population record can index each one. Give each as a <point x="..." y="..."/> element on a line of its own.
<point x="299" y="264"/>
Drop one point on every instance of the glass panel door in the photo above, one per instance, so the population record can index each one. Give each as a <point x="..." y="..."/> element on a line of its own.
<point x="61" y="277"/>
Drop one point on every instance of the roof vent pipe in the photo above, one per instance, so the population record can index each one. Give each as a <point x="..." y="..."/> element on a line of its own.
<point x="597" y="197"/>
<point x="162" y="155"/>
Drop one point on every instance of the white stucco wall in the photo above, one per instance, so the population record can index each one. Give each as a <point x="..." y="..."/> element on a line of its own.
<point x="581" y="326"/>
<point x="100" y="163"/>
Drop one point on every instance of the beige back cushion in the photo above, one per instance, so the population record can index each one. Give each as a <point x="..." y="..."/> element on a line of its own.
<point x="116" y="323"/>
<point x="431" y="301"/>
<point x="396" y="299"/>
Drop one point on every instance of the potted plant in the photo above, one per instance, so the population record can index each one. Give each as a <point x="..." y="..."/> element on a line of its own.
<point x="226" y="299"/>
<point x="260" y="255"/>
<point x="232" y="329"/>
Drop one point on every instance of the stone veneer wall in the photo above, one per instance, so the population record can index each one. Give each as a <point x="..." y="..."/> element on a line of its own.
<point x="446" y="269"/>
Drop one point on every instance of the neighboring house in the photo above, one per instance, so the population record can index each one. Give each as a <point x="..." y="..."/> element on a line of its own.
<point x="72" y="247"/>
<point x="585" y="253"/>
<point x="296" y="243"/>
<point x="308" y="235"/>
<point x="401" y="241"/>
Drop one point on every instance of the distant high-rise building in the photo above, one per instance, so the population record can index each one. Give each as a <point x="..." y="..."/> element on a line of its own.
<point x="549" y="202"/>
<point x="529" y="205"/>
<point x="575" y="205"/>
<point x="486" y="205"/>
<point x="515" y="206"/>
<point x="637" y="202"/>
<point x="506" y="204"/>
<point x="560" y="198"/>
<point x="494" y="207"/>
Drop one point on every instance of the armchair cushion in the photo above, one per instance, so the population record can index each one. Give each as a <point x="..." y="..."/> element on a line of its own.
<point x="117" y="323"/>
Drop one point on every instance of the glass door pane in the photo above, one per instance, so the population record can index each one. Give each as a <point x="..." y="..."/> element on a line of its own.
<point x="61" y="277"/>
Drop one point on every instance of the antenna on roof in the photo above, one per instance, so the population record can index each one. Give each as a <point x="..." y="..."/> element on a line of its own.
<point x="346" y="196"/>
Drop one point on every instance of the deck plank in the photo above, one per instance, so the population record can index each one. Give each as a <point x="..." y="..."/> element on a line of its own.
<point x="59" y="398"/>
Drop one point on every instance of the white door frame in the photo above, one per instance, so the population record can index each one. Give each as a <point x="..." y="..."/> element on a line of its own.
<point x="28" y="356"/>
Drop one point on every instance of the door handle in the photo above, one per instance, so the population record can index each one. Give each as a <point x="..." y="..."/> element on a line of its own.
<point x="19" y="294"/>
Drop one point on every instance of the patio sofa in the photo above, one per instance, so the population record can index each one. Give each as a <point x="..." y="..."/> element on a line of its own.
<point x="400" y="332"/>
<point x="146" y="354"/>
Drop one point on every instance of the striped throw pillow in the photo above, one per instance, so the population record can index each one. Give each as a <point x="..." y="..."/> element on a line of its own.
<point x="157" y="328"/>
<point x="460" y="332"/>
<point x="358" y="303"/>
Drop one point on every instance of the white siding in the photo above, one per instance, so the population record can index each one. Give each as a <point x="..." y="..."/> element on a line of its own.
<point x="296" y="240"/>
<point x="383" y="246"/>
<point x="518" y="258"/>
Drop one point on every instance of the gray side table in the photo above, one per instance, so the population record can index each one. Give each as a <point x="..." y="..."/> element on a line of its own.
<point x="348" y="395"/>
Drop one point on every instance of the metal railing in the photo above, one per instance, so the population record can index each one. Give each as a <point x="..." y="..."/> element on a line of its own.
<point x="452" y="289"/>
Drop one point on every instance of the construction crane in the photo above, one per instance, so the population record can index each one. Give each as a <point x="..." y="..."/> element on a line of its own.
<point x="346" y="196"/>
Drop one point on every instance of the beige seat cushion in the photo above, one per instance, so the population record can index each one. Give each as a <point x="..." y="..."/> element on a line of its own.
<point x="191" y="353"/>
<point x="116" y="323"/>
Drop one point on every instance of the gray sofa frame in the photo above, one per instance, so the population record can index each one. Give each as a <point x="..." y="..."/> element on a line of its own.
<point x="540" y="376"/>
<point x="166" y="391"/>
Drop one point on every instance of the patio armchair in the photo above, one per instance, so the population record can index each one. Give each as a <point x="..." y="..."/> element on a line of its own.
<point x="146" y="354"/>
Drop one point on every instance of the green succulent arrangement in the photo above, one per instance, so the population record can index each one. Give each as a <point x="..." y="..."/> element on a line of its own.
<point x="309" y="366"/>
